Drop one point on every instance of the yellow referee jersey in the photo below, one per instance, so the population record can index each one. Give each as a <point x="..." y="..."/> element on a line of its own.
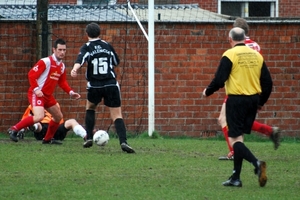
<point x="244" y="78"/>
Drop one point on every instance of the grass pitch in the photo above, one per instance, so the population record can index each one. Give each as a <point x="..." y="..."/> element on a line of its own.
<point x="162" y="168"/>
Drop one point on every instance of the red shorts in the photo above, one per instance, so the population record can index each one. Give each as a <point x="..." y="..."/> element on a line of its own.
<point x="225" y="100"/>
<point x="45" y="101"/>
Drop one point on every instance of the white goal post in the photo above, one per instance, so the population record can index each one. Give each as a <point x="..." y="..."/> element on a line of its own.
<point x="151" y="52"/>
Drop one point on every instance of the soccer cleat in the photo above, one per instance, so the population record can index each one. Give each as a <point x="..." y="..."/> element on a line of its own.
<point x="126" y="148"/>
<point x="275" y="137"/>
<point x="261" y="173"/>
<point x="21" y="134"/>
<point x="13" y="134"/>
<point x="52" y="141"/>
<point x="88" y="143"/>
<point x="228" y="157"/>
<point x="234" y="183"/>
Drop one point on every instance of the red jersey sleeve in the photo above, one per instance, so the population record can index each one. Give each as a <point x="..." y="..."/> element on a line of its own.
<point x="35" y="72"/>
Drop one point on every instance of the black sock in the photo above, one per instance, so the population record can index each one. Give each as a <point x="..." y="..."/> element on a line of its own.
<point x="246" y="153"/>
<point x="121" y="130"/>
<point x="89" y="123"/>
<point x="237" y="161"/>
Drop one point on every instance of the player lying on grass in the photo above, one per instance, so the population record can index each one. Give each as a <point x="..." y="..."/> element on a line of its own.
<point x="39" y="129"/>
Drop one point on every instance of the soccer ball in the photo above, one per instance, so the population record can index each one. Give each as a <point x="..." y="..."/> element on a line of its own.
<point x="101" y="138"/>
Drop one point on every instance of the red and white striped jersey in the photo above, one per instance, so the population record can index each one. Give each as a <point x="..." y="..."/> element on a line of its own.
<point x="46" y="74"/>
<point x="252" y="44"/>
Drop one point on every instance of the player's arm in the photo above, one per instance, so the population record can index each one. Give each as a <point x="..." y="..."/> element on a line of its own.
<point x="115" y="57"/>
<point x="34" y="73"/>
<point x="62" y="82"/>
<point x="81" y="59"/>
<point x="75" y="69"/>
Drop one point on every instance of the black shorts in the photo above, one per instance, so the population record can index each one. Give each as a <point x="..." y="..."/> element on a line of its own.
<point x="240" y="114"/>
<point x="60" y="134"/>
<point x="110" y="94"/>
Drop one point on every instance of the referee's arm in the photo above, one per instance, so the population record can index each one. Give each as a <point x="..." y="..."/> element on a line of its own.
<point x="221" y="76"/>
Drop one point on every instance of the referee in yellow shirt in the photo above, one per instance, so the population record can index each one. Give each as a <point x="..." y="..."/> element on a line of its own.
<point x="248" y="84"/>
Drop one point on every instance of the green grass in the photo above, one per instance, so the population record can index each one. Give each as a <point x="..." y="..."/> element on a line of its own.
<point x="162" y="168"/>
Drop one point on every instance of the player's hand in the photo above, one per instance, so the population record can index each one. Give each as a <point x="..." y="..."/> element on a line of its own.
<point x="74" y="73"/>
<point x="75" y="95"/>
<point x="39" y="93"/>
<point x="204" y="92"/>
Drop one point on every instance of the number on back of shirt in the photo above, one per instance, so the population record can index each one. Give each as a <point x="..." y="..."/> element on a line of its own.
<point x="100" y="66"/>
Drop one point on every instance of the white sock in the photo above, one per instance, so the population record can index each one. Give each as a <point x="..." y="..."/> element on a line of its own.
<point x="36" y="126"/>
<point x="79" y="130"/>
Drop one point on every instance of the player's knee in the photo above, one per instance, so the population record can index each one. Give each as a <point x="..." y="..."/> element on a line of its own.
<point x="71" y="122"/>
<point x="38" y="118"/>
<point x="220" y="119"/>
<point x="90" y="106"/>
<point x="57" y="118"/>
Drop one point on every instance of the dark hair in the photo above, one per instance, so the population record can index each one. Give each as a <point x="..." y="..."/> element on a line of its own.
<point x="58" y="41"/>
<point x="92" y="30"/>
<point x="237" y="34"/>
<point x="241" y="23"/>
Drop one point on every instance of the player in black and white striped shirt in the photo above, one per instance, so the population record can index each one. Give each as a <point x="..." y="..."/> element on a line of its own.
<point x="101" y="59"/>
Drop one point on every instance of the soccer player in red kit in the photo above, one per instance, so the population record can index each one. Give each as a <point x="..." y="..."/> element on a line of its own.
<point x="43" y="78"/>
<point x="272" y="132"/>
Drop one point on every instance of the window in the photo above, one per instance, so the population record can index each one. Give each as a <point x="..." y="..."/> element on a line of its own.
<point x="96" y="2"/>
<point x="160" y="2"/>
<point x="248" y="8"/>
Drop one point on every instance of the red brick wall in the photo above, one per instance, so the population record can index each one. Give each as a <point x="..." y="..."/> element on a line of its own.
<point x="211" y="5"/>
<point x="187" y="56"/>
<point x="289" y="8"/>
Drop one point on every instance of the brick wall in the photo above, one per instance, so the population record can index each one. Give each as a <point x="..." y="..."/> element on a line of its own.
<point x="289" y="8"/>
<point x="187" y="56"/>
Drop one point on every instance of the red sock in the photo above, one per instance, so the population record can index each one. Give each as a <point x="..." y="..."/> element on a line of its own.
<point x="52" y="128"/>
<point x="225" y="131"/>
<point x="262" y="128"/>
<point x="28" y="121"/>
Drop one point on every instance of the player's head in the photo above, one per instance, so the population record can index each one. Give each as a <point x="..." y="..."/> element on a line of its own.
<point x="241" y="23"/>
<point x="92" y="30"/>
<point x="236" y="35"/>
<point x="57" y="42"/>
<point x="59" y="49"/>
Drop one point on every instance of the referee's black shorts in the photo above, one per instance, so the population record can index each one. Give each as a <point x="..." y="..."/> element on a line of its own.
<point x="240" y="113"/>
